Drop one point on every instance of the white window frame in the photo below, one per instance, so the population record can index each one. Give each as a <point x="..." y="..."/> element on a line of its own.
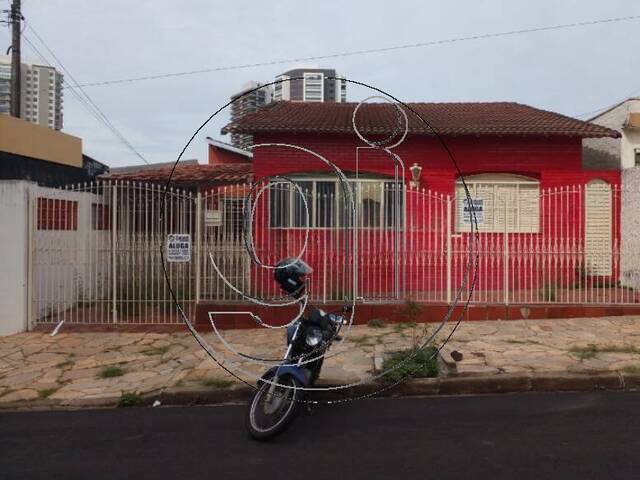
<point x="472" y="182"/>
<point x="306" y="75"/>
<point x="356" y="182"/>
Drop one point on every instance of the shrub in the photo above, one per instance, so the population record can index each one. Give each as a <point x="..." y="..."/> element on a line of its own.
<point x="130" y="399"/>
<point x="112" y="371"/>
<point x="411" y="363"/>
<point x="46" y="393"/>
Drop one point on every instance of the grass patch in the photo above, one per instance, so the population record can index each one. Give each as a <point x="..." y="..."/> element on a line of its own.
<point x="217" y="382"/>
<point x="111" y="372"/>
<point x="156" y="350"/>
<point x="179" y="383"/>
<point x="362" y="340"/>
<point x="377" y="323"/>
<point x="402" y="326"/>
<point x="130" y="399"/>
<point x="46" y="393"/>
<point x="591" y="350"/>
<point x="521" y="342"/>
<point x="412" y="364"/>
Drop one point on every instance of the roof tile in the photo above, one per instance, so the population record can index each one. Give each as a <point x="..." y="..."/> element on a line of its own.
<point x="188" y="173"/>
<point x="451" y="119"/>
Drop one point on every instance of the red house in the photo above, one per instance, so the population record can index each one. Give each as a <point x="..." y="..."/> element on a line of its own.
<point x="548" y="227"/>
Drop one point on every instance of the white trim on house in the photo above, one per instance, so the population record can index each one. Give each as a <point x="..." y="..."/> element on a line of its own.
<point x="229" y="147"/>
<point x="515" y="198"/>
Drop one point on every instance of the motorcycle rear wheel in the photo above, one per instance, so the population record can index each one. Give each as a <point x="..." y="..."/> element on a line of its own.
<point x="270" y="415"/>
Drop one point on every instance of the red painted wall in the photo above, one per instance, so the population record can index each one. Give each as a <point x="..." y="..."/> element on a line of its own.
<point x="219" y="156"/>
<point x="555" y="161"/>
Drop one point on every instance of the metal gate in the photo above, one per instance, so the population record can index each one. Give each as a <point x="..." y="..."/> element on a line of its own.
<point x="96" y="248"/>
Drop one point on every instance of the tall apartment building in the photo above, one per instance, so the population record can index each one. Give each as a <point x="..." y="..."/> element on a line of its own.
<point x="310" y="85"/>
<point x="40" y="93"/>
<point x="244" y="103"/>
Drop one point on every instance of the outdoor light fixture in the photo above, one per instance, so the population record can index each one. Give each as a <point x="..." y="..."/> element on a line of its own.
<point x="415" y="170"/>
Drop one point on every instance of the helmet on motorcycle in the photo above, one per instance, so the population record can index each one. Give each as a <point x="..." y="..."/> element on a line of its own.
<point x="291" y="275"/>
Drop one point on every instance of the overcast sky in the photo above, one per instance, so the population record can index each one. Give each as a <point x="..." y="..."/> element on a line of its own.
<point x="571" y="71"/>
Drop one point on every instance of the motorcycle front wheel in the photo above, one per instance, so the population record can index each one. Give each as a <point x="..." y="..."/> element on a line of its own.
<point x="270" y="414"/>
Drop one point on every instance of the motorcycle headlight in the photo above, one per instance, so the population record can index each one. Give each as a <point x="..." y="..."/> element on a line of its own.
<point x="313" y="338"/>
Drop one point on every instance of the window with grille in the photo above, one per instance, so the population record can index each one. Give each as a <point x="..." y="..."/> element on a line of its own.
<point x="379" y="204"/>
<point x="499" y="201"/>
<point x="598" y="235"/>
<point x="54" y="214"/>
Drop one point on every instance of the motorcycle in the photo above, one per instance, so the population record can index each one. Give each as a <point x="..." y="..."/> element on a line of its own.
<point x="280" y="391"/>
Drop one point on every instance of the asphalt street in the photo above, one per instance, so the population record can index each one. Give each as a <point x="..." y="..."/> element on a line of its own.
<point x="537" y="436"/>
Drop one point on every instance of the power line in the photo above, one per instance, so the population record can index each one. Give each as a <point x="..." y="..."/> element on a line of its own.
<point x="87" y="102"/>
<point x="368" y="51"/>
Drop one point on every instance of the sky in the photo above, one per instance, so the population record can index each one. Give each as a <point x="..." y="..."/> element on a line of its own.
<point x="571" y="71"/>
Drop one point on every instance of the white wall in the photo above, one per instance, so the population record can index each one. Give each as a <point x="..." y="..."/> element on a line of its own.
<point x="14" y="197"/>
<point x="630" y="226"/>
<point x="66" y="265"/>
<point x="613" y="153"/>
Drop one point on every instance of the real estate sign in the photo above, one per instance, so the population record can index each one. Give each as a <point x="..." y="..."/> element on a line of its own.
<point x="178" y="247"/>
<point x="477" y="204"/>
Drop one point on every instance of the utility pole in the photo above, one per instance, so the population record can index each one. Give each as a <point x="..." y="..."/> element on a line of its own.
<point x="16" y="22"/>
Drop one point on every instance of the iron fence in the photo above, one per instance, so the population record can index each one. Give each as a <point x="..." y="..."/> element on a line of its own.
<point x="99" y="250"/>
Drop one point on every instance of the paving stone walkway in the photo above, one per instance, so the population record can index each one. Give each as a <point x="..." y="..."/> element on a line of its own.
<point x="75" y="367"/>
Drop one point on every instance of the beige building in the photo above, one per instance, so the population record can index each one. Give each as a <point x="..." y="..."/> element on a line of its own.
<point x="41" y="93"/>
<point x="616" y="153"/>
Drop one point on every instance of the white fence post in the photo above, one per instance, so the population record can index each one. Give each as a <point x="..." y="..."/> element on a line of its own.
<point x="506" y="252"/>
<point x="114" y="222"/>
<point x="31" y="231"/>
<point x="198" y="243"/>
<point x="448" y="249"/>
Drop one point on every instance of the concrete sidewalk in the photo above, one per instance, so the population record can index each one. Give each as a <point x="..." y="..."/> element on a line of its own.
<point x="89" y="369"/>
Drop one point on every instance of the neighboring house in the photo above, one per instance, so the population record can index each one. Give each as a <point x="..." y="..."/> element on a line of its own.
<point x="616" y="153"/>
<point x="188" y="175"/>
<point x="222" y="153"/>
<point x="523" y="166"/>
<point x="227" y="166"/>
<point x="622" y="153"/>
<point x="42" y="155"/>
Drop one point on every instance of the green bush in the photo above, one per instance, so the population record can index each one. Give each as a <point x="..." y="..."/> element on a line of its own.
<point x="412" y="363"/>
<point x="130" y="399"/>
<point x="112" y="371"/>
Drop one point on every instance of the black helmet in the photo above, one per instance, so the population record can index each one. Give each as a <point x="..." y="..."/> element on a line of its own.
<point x="291" y="275"/>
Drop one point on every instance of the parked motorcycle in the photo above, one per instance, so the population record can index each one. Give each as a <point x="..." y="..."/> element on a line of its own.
<point x="280" y="391"/>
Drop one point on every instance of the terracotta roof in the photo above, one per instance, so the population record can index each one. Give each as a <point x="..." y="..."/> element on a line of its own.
<point x="451" y="119"/>
<point x="237" y="172"/>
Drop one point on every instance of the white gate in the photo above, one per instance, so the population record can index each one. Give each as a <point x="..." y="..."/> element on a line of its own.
<point x="96" y="248"/>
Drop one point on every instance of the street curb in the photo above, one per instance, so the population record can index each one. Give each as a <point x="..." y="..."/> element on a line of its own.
<point x="455" y="385"/>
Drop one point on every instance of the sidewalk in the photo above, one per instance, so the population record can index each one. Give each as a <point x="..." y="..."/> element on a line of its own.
<point x="96" y="369"/>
